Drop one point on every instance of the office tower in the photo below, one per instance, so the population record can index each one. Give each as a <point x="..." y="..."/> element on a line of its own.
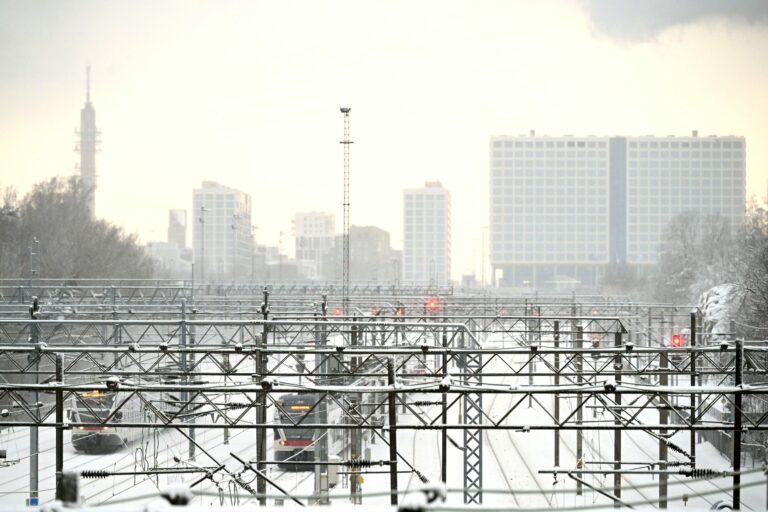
<point x="222" y="239"/>
<point x="177" y="227"/>
<point x="313" y="233"/>
<point x="427" y="235"/>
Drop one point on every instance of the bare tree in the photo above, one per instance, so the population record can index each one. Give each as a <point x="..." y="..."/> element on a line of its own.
<point x="72" y="244"/>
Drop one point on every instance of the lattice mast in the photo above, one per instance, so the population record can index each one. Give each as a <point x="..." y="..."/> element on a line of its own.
<point x="345" y="235"/>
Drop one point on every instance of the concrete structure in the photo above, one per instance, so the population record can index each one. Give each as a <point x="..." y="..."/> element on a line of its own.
<point x="177" y="227"/>
<point x="427" y="235"/>
<point x="222" y="233"/>
<point x="563" y="208"/>
<point x="87" y="146"/>
<point x="313" y="233"/>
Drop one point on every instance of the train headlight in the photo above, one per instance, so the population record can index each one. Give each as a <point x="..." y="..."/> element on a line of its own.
<point x="113" y="383"/>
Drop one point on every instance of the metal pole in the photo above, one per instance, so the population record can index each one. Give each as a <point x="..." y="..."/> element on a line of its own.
<point x="693" y="405"/>
<point x="34" y="447"/>
<point x="261" y="408"/>
<point x="227" y="367"/>
<point x="392" y="434"/>
<point x="579" y="412"/>
<point x="185" y="370"/>
<point x="738" y="380"/>
<point x="557" y="395"/>
<point x="663" y="419"/>
<point x="355" y="435"/>
<point x="444" y="405"/>
<point x="617" y="366"/>
<point x="59" y="426"/>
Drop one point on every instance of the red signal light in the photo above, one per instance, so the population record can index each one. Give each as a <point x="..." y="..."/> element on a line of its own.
<point x="337" y="312"/>
<point x="432" y="305"/>
<point x="374" y="311"/>
<point x="399" y="312"/>
<point x="677" y="340"/>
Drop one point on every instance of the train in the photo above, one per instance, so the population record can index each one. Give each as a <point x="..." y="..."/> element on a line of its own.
<point x="299" y="445"/>
<point x="96" y="406"/>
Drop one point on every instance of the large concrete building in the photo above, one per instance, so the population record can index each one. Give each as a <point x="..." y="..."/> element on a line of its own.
<point x="313" y="233"/>
<point x="563" y="208"/>
<point x="427" y="235"/>
<point x="223" y="245"/>
<point x="177" y="227"/>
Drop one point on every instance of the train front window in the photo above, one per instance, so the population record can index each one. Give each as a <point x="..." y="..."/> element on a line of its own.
<point x="298" y="411"/>
<point x="91" y="402"/>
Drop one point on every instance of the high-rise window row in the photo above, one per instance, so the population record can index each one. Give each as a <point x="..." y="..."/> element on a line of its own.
<point x="562" y="208"/>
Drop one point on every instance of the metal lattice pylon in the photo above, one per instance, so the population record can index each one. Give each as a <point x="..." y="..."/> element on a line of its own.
<point x="345" y="256"/>
<point x="473" y="438"/>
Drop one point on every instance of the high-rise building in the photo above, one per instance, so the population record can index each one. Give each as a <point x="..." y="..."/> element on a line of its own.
<point x="222" y="233"/>
<point x="427" y="235"/>
<point x="177" y="227"/>
<point x="87" y="146"/>
<point x="563" y="208"/>
<point x="313" y="233"/>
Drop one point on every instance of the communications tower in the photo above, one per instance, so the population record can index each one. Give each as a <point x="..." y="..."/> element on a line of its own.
<point x="87" y="145"/>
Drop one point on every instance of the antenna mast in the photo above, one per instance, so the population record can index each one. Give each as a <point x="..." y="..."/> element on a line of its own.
<point x="345" y="256"/>
<point x="88" y="83"/>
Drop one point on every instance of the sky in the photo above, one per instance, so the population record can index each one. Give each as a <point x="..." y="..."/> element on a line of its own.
<point x="248" y="93"/>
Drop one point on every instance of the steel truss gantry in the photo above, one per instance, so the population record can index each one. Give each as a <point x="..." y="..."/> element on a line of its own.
<point x="621" y="378"/>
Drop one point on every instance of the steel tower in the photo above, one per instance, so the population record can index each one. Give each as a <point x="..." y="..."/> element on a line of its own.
<point x="345" y="256"/>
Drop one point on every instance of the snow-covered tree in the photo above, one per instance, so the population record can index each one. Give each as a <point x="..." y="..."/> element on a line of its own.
<point x="697" y="254"/>
<point x="752" y="274"/>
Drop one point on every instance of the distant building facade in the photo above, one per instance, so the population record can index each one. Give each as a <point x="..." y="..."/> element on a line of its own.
<point x="173" y="259"/>
<point x="372" y="259"/>
<point x="427" y="235"/>
<point x="177" y="227"/>
<point x="563" y="208"/>
<point x="223" y="244"/>
<point x="313" y="233"/>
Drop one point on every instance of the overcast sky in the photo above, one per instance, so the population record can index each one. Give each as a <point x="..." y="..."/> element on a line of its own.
<point x="247" y="94"/>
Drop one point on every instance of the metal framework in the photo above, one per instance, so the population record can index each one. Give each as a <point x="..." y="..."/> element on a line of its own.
<point x="228" y="372"/>
<point x="345" y="234"/>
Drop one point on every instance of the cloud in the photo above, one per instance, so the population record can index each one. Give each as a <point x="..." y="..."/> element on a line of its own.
<point x="643" y="20"/>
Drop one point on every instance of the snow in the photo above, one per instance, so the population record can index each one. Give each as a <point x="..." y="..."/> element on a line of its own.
<point x="718" y="306"/>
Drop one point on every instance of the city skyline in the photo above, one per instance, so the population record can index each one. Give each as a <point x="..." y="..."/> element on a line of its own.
<point x="456" y="80"/>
